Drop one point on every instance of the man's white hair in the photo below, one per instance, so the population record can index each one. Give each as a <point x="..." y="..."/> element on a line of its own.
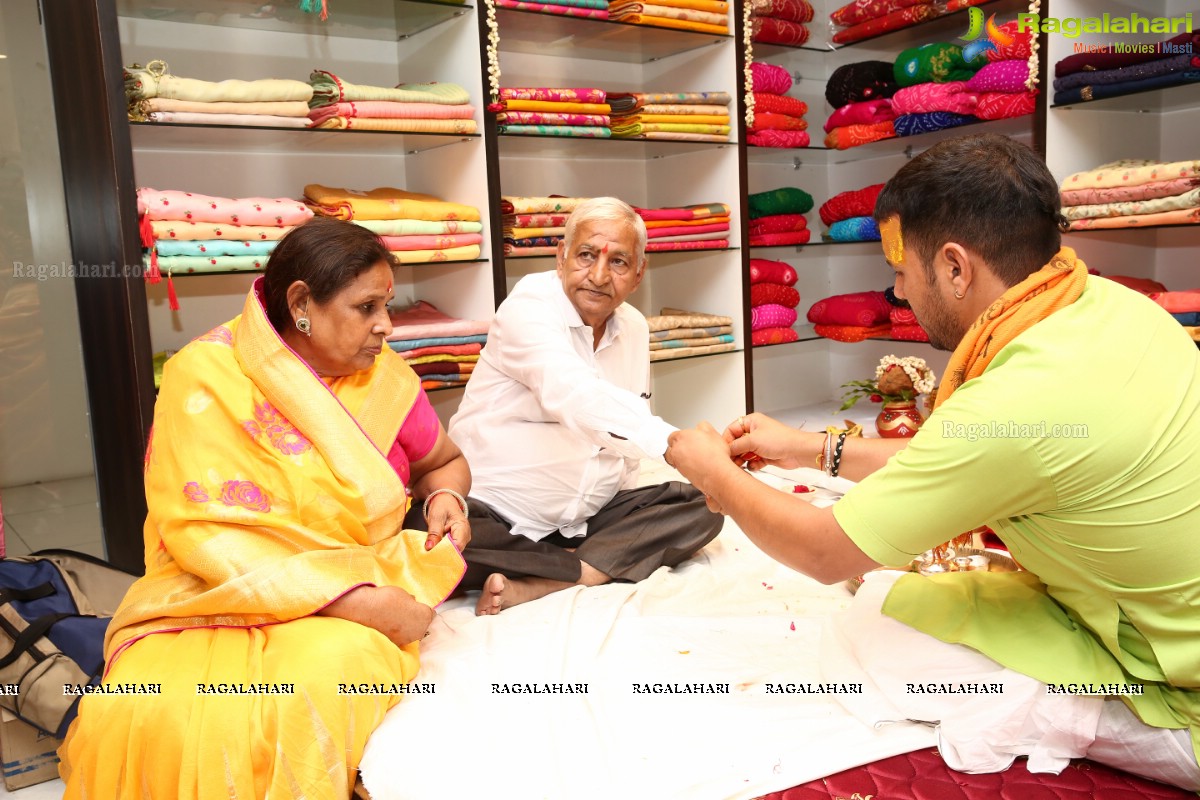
<point x="608" y="208"/>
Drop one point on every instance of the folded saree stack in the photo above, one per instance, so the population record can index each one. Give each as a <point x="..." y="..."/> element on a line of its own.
<point x="533" y="226"/>
<point x="704" y="16"/>
<point x="777" y="217"/>
<point x="697" y="227"/>
<point x="778" y="119"/>
<point x="441" y="349"/>
<point x="852" y="317"/>
<point x="780" y="21"/>
<point x="861" y="95"/>
<point x="1184" y="306"/>
<point x="863" y="19"/>
<point x="770" y="282"/>
<point x="849" y="215"/>
<point x="934" y="92"/>
<point x="676" y="116"/>
<point x="153" y="94"/>
<point x="187" y="232"/>
<point x="675" y="333"/>
<point x="1133" y="193"/>
<point x="1106" y="73"/>
<point x="549" y="111"/>
<point x="416" y="228"/>
<point x="773" y="301"/>
<point x="410" y="108"/>
<point x="590" y="9"/>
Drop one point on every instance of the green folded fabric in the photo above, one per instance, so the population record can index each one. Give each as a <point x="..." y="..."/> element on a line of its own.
<point x="939" y="62"/>
<point x="785" y="200"/>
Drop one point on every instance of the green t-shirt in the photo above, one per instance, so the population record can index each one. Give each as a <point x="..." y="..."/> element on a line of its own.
<point x="1104" y="508"/>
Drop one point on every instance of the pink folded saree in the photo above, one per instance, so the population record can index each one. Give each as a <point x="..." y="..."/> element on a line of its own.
<point x="866" y="112"/>
<point x="384" y="109"/>
<point x="175" y="205"/>
<point x="431" y="242"/>
<point x="553" y="95"/>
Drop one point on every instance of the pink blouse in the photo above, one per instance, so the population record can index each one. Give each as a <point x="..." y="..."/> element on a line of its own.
<point x="417" y="436"/>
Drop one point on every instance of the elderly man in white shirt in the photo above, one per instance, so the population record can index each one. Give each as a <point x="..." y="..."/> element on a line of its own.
<point x="555" y="420"/>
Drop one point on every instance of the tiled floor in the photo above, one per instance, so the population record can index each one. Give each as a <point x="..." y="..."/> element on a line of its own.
<point x="53" y="514"/>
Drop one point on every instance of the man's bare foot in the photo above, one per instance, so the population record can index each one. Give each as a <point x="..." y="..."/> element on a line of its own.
<point x="501" y="592"/>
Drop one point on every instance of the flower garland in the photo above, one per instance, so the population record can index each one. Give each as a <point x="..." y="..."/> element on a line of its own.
<point x="1035" y="7"/>
<point x="918" y="372"/>
<point x="493" y="53"/>
<point x="748" y="43"/>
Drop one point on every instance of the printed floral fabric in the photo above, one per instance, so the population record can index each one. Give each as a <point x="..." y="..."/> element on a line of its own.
<point x="860" y="11"/>
<point x="539" y="205"/>
<point x="384" y="203"/>
<point x="1130" y="172"/>
<point x="769" y="78"/>
<point x="1134" y="72"/>
<point x="628" y="102"/>
<point x="430" y="242"/>
<point x="863" y="309"/>
<point x="778" y="138"/>
<point x="419" y="227"/>
<point x="913" y="124"/>
<point x="554" y="8"/>
<point x="764" y="270"/>
<point x="156" y="204"/>
<point x="552" y="95"/>
<point x="1120" y="194"/>
<point x="1001" y="76"/>
<point x="667" y="127"/>
<point x="399" y="125"/>
<point x="939" y="62"/>
<point x="767" y="336"/>
<point x="778" y="31"/>
<point x="187" y="264"/>
<point x="705" y="244"/>
<point x="679" y="24"/>
<point x="555" y="106"/>
<point x="215" y="247"/>
<point x="536" y="220"/>
<point x="855" y="203"/>
<point x="623" y="10"/>
<point x="1021" y="47"/>
<point x="1183" y="216"/>
<point x="866" y="112"/>
<point x="780" y="239"/>
<point x="1002" y="105"/>
<point x="1088" y="93"/>
<point x="1157" y="205"/>
<point x="762" y="294"/>
<point x="901" y="18"/>
<point x="849" y="136"/>
<point x="700" y="211"/>
<point x="852" y="333"/>
<point x="1095" y="62"/>
<point x="771" y="316"/>
<point x="184" y="230"/>
<point x="550" y="118"/>
<point x="854" y="229"/>
<point x="580" y="131"/>
<point x="794" y="10"/>
<point x="925" y="97"/>
<point x="778" y="223"/>
<point x="702" y="332"/>
<point x="779" y="104"/>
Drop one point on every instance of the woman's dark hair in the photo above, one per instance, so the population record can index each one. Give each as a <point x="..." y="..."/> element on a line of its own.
<point x="987" y="192"/>
<point x="327" y="254"/>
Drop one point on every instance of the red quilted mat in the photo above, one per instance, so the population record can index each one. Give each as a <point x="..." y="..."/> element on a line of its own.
<point x="923" y="775"/>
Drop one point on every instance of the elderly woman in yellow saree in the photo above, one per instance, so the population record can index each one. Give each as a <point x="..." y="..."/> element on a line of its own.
<point x="278" y="575"/>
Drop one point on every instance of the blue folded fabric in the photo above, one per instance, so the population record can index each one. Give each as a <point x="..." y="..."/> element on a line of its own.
<point x="1188" y="318"/>
<point x="1084" y="93"/>
<point x="913" y="124"/>
<point x="214" y="247"/>
<point x="854" y="229"/>
<point x="1134" y="72"/>
<point x="412" y="344"/>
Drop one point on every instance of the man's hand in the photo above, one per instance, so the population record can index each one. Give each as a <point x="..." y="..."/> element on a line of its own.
<point x="757" y="440"/>
<point x="699" y="453"/>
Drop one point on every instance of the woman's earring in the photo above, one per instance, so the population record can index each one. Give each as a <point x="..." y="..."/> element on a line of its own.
<point x="303" y="324"/>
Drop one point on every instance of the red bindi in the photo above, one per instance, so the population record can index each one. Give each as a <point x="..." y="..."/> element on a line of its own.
<point x="604" y="250"/>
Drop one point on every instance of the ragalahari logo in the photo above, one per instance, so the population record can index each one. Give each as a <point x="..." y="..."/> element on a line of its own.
<point x="996" y="38"/>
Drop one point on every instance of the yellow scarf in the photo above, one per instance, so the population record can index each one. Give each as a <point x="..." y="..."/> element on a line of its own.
<point x="1053" y="287"/>
<point x="269" y="493"/>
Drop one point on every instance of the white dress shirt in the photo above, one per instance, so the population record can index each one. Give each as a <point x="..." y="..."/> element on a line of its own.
<point x="541" y="416"/>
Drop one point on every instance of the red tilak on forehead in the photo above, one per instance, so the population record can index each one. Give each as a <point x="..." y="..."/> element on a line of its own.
<point x="604" y="250"/>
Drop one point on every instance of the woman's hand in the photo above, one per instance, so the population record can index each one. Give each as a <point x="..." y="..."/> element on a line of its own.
<point x="388" y="609"/>
<point x="698" y="453"/>
<point x="446" y="519"/>
<point x="757" y="440"/>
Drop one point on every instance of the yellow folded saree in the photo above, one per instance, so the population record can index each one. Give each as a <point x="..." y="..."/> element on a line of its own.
<point x="384" y="203"/>
<point x="269" y="497"/>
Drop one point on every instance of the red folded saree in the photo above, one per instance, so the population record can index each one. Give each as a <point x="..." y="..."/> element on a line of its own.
<point x="856" y="203"/>
<point x="764" y="270"/>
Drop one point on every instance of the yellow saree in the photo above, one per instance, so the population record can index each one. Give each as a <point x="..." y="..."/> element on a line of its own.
<point x="269" y="497"/>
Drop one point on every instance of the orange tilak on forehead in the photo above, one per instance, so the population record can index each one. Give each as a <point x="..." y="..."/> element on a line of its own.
<point x="893" y="239"/>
